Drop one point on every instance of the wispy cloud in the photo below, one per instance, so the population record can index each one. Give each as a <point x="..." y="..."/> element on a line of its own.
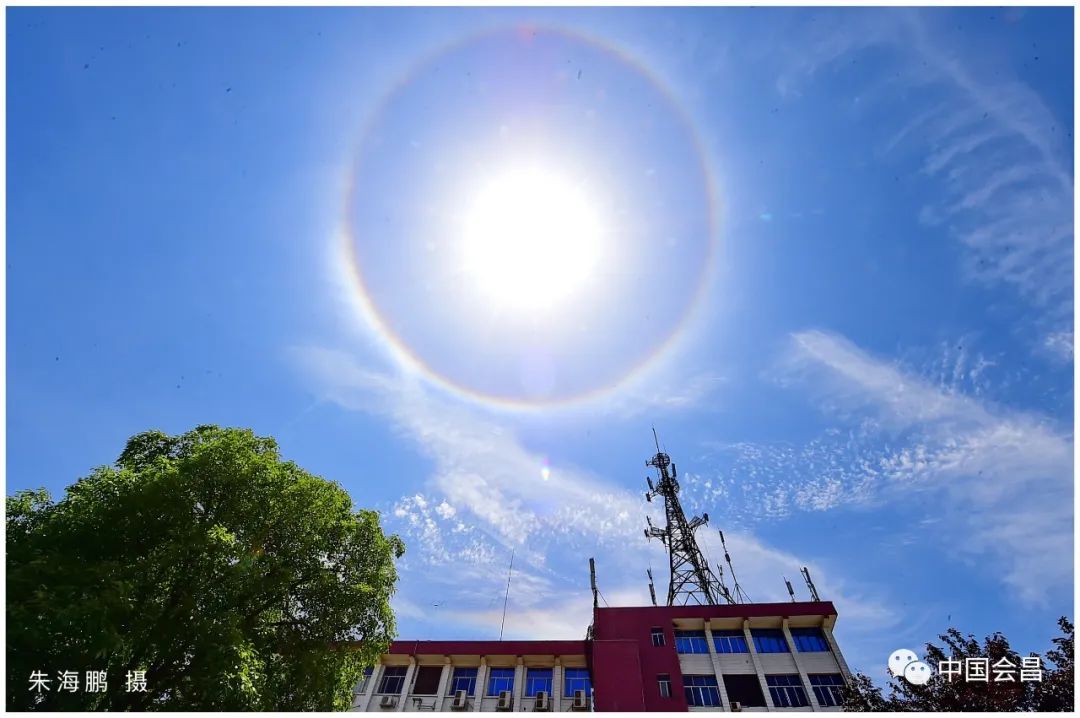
<point x="993" y="147"/>
<point x="452" y="524"/>
<point x="483" y="472"/>
<point x="1004" y="477"/>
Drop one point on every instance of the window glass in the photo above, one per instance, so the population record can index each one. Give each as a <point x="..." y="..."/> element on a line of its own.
<point x="664" y="681"/>
<point x="701" y="690"/>
<point x="464" y="679"/>
<point x="828" y="688"/>
<point x="658" y="636"/>
<point x="691" y="642"/>
<point x="809" y="640"/>
<point x="536" y="680"/>
<point x="576" y="679"/>
<point x="729" y="642"/>
<point x="393" y="679"/>
<point x="787" y="691"/>
<point x="769" y="640"/>
<point x="501" y="679"/>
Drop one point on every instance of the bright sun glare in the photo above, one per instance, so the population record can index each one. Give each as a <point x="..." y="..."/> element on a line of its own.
<point x="531" y="240"/>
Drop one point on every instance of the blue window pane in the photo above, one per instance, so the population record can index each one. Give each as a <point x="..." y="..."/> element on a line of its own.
<point x="787" y="691"/>
<point x="501" y="679"/>
<point x="828" y="688"/>
<point x="691" y="642"/>
<point x="769" y="640"/>
<point x="393" y="679"/>
<point x="576" y="679"/>
<point x="536" y="680"/>
<point x="809" y="640"/>
<point x="464" y="680"/>
<point x="701" y="690"/>
<point x="729" y="642"/>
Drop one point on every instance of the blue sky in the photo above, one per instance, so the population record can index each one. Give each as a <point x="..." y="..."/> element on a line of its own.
<point x="832" y="264"/>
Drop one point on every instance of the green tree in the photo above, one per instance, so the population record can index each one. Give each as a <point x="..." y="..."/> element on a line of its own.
<point x="1053" y="693"/>
<point x="235" y="580"/>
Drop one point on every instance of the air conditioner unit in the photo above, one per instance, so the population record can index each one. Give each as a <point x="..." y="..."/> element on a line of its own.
<point x="581" y="701"/>
<point x="506" y="701"/>
<point x="388" y="701"/>
<point x="541" y="703"/>
<point x="460" y="702"/>
<point x="736" y="707"/>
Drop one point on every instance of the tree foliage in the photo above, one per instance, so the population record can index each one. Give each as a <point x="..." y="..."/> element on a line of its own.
<point x="1053" y="693"/>
<point x="235" y="580"/>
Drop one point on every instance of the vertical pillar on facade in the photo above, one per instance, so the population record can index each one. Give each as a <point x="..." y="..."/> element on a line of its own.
<point x="362" y="702"/>
<point x="716" y="667"/>
<point x="365" y="704"/>
<point x="444" y="682"/>
<point x="406" y="685"/>
<point x="519" y="684"/>
<point x="811" y="698"/>
<point x="757" y="664"/>
<point x="839" y="657"/>
<point x="556" y="685"/>
<point x="481" y="684"/>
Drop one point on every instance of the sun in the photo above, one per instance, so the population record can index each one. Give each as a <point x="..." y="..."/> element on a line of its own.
<point x="531" y="240"/>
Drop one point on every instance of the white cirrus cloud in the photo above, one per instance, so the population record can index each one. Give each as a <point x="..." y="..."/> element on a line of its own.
<point x="993" y="147"/>
<point x="1005" y="477"/>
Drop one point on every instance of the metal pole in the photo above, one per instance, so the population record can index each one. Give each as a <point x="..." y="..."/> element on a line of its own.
<point x="507" y="596"/>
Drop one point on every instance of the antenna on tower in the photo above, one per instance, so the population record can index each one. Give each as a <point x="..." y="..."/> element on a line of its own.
<point x="810" y="584"/>
<point x="723" y="586"/>
<point x="592" y="582"/>
<point x="652" y="589"/>
<point x="691" y="580"/>
<point x="790" y="590"/>
<point x="740" y="595"/>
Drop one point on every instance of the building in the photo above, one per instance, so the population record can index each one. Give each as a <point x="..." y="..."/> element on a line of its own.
<point x="747" y="656"/>
<point x="709" y="649"/>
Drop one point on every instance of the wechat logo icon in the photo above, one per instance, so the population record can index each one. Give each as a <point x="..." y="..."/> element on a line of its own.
<point x="903" y="663"/>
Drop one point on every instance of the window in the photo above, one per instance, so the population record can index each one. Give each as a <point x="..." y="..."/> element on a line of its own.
<point x="427" y="680"/>
<point x="536" y="680"/>
<point x="787" y="691"/>
<point x="828" y="688"/>
<point x="464" y="680"/>
<point x="769" y="640"/>
<point x="664" y="681"/>
<point x="393" y="679"/>
<point x="701" y="690"/>
<point x="576" y="679"/>
<point x="658" y="636"/>
<point x="809" y="640"/>
<point x="691" y="642"/>
<point x="744" y="689"/>
<point x="729" y="642"/>
<point x="501" y="679"/>
<point x="361" y="687"/>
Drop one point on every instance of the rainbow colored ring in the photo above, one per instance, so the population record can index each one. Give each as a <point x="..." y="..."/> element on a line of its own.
<point x="401" y="351"/>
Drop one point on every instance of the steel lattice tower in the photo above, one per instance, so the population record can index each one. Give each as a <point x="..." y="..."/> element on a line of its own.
<point x="692" y="580"/>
